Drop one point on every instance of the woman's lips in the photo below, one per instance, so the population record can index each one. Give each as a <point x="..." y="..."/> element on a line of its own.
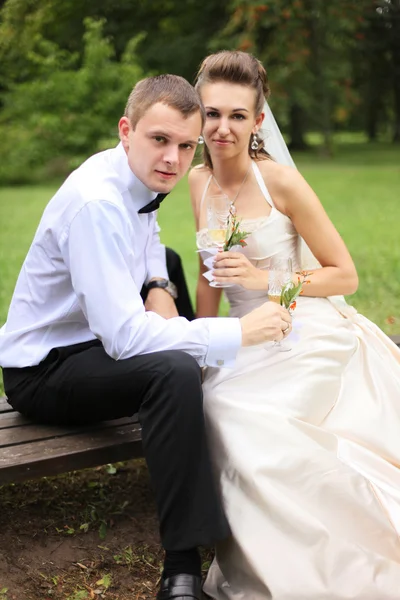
<point x="222" y="142"/>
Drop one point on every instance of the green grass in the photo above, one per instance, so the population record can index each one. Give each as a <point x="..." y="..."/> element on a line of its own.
<point x="359" y="188"/>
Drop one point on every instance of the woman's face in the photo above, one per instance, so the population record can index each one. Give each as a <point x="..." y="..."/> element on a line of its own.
<point x="231" y="118"/>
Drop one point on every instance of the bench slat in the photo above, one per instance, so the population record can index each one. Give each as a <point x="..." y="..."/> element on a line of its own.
<point x="69" y="453"/>
<point x="11" y="419"/>
<point x="32" y="432"/>
<point x="4" y="406"/>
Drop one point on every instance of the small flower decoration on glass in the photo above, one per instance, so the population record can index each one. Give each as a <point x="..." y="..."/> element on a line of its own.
<point x="234" y="236"/>
<point x="291" y="291"/>
<point x="284" y="291"/>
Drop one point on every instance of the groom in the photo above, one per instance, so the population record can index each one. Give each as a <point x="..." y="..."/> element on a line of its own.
<point x="80" y="345"/>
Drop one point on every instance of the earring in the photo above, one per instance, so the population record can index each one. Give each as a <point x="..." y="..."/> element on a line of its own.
<point x="200" y="140"/>
<point x="254" y="143"/>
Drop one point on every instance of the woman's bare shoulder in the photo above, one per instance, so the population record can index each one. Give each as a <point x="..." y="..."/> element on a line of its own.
<point x="198" y="173"/>
<point x="197" y="178"/>
<point x="285" y="184"/>
<point x="277" y="175"/>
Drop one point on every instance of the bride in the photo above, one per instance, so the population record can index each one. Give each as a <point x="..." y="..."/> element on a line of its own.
<point x="306" y="443"/>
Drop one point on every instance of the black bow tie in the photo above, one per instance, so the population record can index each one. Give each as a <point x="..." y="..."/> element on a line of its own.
<point x="153" y="205"/>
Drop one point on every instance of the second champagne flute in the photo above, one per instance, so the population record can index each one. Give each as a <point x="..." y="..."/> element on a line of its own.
<point x="280" y="274"/>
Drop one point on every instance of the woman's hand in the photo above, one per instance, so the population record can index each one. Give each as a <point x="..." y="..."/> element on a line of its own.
<point x="234" y="267"/>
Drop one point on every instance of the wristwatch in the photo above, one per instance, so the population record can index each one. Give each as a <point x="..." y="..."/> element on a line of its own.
<point x="164" y="284"/>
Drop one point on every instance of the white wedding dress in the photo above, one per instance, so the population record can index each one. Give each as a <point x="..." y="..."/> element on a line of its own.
<point x="306" y="445"/>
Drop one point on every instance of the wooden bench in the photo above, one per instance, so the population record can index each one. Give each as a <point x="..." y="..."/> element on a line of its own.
<point x="28" y="450"/>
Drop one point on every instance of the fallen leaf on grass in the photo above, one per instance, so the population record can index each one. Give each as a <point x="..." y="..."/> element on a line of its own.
<point x="104" y="581"/>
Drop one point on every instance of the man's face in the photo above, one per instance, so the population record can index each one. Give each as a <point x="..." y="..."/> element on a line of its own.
<point x="161" y="147"/>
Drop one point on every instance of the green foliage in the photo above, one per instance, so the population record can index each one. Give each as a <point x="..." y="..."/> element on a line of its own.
<point x="304" y="43"/>
<point x="51" y="123"/>
<point x="79" y="595"/>
<point x="289" y="293"/>
<point x="376" y="62"/>
<point x="330" y="60"/>
<point x="105" y="581"/>
<point x="333" y="65"/>
<point x="175" y="34"/>
<point x="234" y="236"/>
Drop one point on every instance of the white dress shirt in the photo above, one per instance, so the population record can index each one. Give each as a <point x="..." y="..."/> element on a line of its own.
<point x="83" y="273"/>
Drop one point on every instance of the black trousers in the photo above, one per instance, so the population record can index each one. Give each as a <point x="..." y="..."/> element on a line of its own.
<point x="82" y="384"/>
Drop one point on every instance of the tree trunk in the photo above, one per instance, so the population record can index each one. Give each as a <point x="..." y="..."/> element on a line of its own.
<point x="374" y="103"/>
<point x="317" y="19"/>
<point x="395" y="19"/>
<point x="372" y="119"/>
<point x="396" y="130"/>
<point x="375" y="53"/>
<point x="297" y="128"/>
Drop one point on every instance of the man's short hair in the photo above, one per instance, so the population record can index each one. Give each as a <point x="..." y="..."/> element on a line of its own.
<point x="172" y="90"/>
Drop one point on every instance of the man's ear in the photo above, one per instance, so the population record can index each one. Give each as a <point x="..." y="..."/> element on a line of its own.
<point x="124" y="128"/>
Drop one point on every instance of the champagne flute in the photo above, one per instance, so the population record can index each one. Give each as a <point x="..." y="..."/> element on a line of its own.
<point x="218" y="212"/>
<point x="280" y="274"/>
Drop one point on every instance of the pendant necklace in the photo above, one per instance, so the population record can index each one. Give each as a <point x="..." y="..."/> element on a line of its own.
<point x="233" y="207"/>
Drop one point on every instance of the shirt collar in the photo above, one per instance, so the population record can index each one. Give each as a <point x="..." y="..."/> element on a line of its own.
<point x="140" y="194"/>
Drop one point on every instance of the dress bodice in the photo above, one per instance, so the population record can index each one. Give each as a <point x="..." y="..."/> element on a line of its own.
<point x="270" y="237"/>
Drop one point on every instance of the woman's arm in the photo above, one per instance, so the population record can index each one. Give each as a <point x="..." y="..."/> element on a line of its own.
<point x="294" y="197"/>
<point x="207" y="297"/>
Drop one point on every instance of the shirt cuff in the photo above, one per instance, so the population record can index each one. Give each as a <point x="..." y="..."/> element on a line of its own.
<point x="156" y="268"/>
<point x="224" y="342"/>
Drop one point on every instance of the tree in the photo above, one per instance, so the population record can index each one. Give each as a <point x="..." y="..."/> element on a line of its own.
<point x="306" y="45"/>
<point x="376" y="67"/>
<point x="389" y="11"/>
<point x="66" y="111"/>
<point x="173" y="39"/>
<point x="373" y="68"/>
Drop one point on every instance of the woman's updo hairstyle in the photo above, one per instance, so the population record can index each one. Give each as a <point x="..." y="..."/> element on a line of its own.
<point x="234" y="66"/>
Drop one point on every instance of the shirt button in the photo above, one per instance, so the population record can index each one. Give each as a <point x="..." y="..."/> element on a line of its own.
<point x="220" y="362"/>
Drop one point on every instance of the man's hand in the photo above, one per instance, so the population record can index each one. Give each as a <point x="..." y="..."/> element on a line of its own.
<point x="234" y="267"/>
<point x="161" y="302"/>
<point x="268" y="323"/>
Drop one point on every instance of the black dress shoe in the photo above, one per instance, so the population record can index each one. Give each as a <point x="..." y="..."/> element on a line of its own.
<point x="180" y="587"/>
